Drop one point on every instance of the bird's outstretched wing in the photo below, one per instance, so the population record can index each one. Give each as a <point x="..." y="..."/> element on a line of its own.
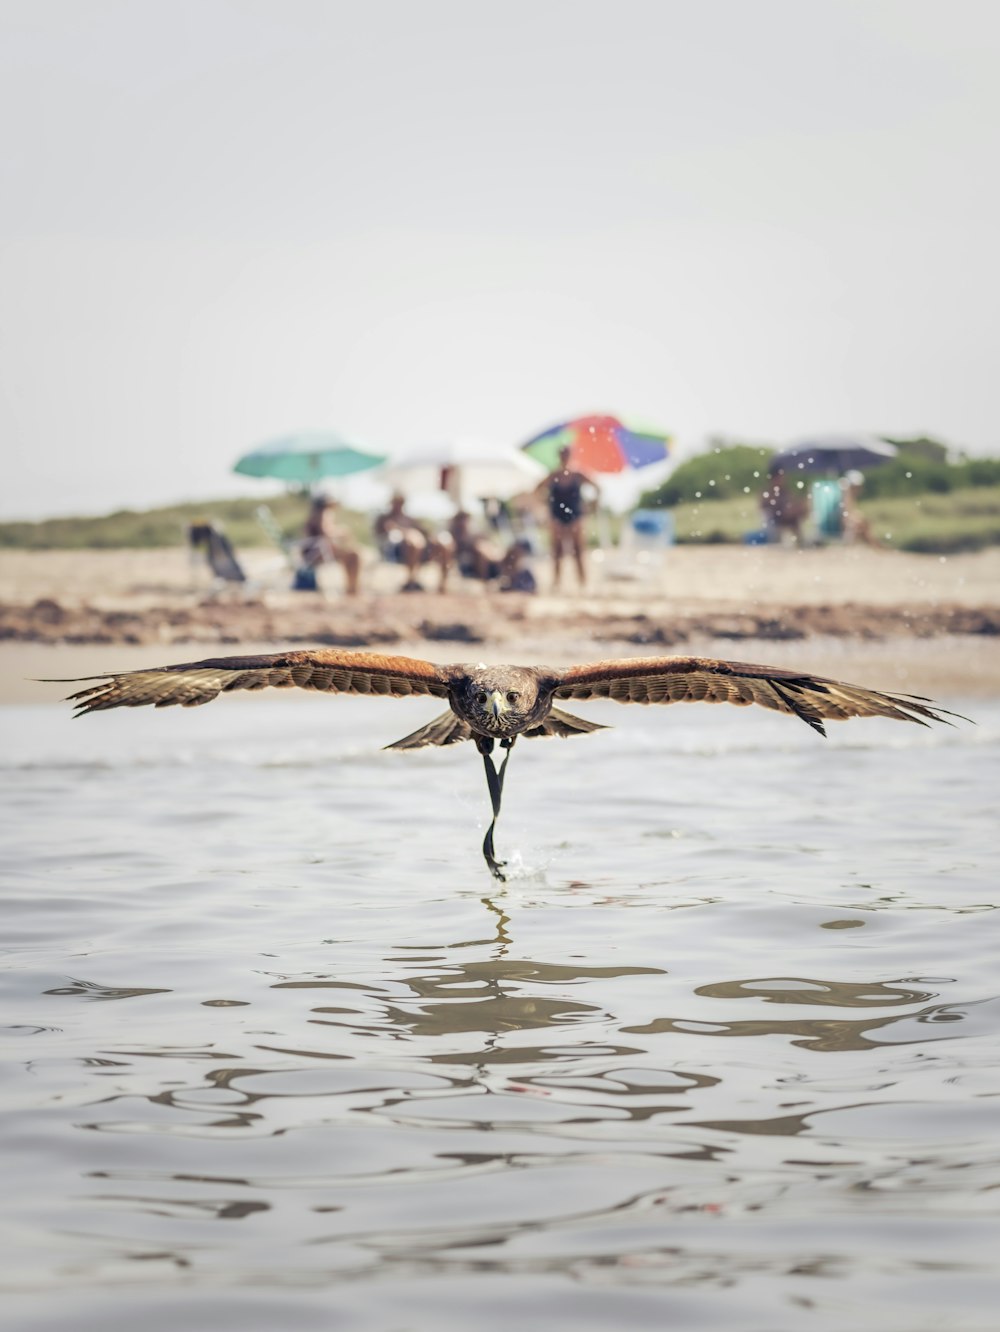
<point x="703" y="680"/>
<point x="330" y="670"/>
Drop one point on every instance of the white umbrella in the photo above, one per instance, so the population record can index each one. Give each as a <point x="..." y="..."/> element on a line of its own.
<point x="466" y="470"/>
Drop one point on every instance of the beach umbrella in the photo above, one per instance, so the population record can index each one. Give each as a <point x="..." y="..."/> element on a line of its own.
<point x="833" y="453"/>
<point x="598" y="444"/>
<point x="306" y="458"/>
<point x="465" y="469"/>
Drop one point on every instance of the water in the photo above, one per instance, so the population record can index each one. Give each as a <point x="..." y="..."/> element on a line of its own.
<point x="279" y="1053"/>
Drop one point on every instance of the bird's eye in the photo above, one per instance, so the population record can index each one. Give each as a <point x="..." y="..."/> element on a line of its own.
<point x="481" y="696"/>
<point x="513" y="696"/>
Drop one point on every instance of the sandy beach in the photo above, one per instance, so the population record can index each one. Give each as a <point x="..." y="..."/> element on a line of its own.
<point x="926" y="624"/>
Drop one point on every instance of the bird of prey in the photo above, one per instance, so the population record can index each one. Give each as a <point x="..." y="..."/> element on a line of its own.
<point x="493" y="705"/>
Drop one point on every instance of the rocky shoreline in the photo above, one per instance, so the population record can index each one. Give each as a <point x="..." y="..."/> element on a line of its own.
<point x="388" y="620"/>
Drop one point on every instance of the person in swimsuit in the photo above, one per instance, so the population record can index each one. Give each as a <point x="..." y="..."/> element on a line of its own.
<point x="563" y="491"/>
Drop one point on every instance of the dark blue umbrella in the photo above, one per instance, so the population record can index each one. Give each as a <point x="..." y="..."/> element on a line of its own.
<point x="833" y="453"/>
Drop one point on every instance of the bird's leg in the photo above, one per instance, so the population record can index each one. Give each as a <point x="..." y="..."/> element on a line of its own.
<point x="494" y="780"/>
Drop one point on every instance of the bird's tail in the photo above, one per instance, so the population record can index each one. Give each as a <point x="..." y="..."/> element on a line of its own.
<point x="449" y="730"/>
<point x="564" y="723"/>
<point x="444" y="730"/>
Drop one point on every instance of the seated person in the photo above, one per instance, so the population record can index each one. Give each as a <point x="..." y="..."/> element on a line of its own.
<point x="515" y="571"/>
<point x="476" y="556"/>
<point x="403" y="539"/>
<point x="856" y="525"/>
<point x="325" y="540"/>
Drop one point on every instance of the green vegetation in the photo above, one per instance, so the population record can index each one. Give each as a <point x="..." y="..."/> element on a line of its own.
<point x="922" y="500"/>
<point x="723" y="520"/>
<point x="912" y="475"/>
<point x="168" y="526"/>
<point x="730" y="470"/>
<point x="727" y="471"/>
<point x="967" y="519"/>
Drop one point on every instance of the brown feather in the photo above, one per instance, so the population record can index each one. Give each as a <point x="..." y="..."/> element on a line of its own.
<point x="813" y="698"/>
<point x="564" y="724"/>
<point x="444" y="730"/>
<point x="329" y="670"/>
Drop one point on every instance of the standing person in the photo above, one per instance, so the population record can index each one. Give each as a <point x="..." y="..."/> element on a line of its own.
<point x="324" y="540"/>
<point x="563" y="490"/>
<point x="784" y="507"/>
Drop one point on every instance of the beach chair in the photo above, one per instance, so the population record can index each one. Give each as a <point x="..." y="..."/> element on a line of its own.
<point x="303" y="577"/>
<point x="210" y="541"/>
<point x="643" y="540"/>
<point x="268" y="525"/>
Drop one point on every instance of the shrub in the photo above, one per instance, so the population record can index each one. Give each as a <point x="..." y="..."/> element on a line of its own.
<point x="725" y="473"/>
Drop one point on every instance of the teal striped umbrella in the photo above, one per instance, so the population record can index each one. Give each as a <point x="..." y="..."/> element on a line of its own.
<point x="306" y="458"/>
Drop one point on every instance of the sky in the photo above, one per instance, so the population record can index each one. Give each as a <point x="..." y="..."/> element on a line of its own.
<point x="225" y="220"/>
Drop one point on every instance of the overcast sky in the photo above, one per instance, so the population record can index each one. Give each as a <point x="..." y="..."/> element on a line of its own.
<point x="226" y="219"/>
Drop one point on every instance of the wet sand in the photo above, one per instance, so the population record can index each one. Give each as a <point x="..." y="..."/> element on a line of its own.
<point x="921" y="623"/>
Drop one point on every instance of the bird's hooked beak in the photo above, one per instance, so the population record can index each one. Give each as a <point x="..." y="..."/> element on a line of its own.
<point x="497" y="703"/>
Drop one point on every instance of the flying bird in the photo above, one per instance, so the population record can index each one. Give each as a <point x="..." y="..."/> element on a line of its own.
<point x="493" y="705"/>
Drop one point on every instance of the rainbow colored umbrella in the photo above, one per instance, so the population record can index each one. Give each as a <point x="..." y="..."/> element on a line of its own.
<point x="598" y="444"/>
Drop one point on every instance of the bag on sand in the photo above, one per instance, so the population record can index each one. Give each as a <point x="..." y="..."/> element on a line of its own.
<point x="304" y="580"/>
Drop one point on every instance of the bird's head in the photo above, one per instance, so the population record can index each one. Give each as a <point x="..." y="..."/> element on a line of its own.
<point x="499" y="700"/>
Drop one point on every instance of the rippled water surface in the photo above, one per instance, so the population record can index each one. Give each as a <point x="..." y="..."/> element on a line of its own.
<point x="723" y="1054"/>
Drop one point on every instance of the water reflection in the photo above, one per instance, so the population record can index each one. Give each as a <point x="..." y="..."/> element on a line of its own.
<point x="84" y="989"/>
<point x="581" y="1075"/>
<point x="829" y="1035"/>
<point x="498" y="996"/>
<point x="321" y="1074"/>
<point x="804" y="990"/>
<point x="575" y="1158"/>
